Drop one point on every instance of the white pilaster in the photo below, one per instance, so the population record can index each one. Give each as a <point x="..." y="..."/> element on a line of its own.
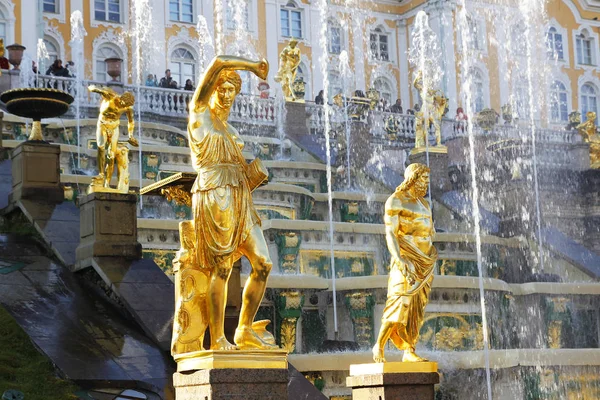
<point x="358" y="37"/>
<point x="158" y="44"/>
<point x="317" y="52"/>
<point x="271" y="16"/>
<point x="501" y="37"/>
<point x="403" y="63"/>
<point x="29" y="35"/>
<point x="208" y="12"/>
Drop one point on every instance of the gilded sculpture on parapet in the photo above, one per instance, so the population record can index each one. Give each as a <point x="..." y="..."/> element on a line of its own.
<point x="110" y="150"/>
<point x="289" y="60"/>
<point x="432" y="110"/>
<point x="409" y="234"/>
<point x="589" y="132"/>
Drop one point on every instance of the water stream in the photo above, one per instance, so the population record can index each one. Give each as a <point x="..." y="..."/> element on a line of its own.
<point x="77" y="34"/>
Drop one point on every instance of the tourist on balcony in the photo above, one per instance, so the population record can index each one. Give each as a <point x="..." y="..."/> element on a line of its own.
<point x="165" y="82"/>
<point x="189" y="85"/>
<point x="151" y="80"/>
<point x="57" y="69"/>
<point x="461" y="120"/>
<point x="319" y="99"/>
<point x="397" y="107"/>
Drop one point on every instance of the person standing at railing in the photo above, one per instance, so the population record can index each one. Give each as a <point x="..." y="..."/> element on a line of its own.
<point x="189" y="85"/>
<point x="397" y="107"/>
<point x="151" y="80"/>
<point x="320" y="100"/>
<point x="461" y="120"/>
<point x="165" y="82"/>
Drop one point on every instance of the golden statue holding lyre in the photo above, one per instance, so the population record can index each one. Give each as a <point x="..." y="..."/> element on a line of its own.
<point x="409" y="233"/>
<point x="110" y="150"/>
<point x="589" y="131"/>
<point x="431" y="113"/>
<point x="289" y="60"/>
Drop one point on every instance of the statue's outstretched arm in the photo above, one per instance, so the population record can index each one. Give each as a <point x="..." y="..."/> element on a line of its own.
<point x="106" y="93"/>
<point x="208" y="81"/>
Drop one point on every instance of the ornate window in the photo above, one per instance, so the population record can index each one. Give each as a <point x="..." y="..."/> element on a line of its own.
<point x="559" y="111"/>
<point x="334" y="40"/>
<point x="474" y="33"/>
<point x="521" y="99"/>
<point x="107" y="10"/>
<point x="52" y="48"/>
<point x="384" y="87"/>
<point x="241" y="8"/>
<point x="291" y="20"/>
<point x="584" y="46"/>
<point x="589" y="100"/>
<point x="181" y="10"/>
<point x="302" y="73"/>
<point x="478" y="93"/>
<point x="50" y="6"/>
<point x="182" y="66"/>
<point x="379" y="45"/>
<point x="101" y="54"/>
<point x="554" y="44"/>
<point x="335" y="85"/>
<point x="518" y="40"/>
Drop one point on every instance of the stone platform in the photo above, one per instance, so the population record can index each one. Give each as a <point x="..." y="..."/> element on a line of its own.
<point x="393" y="381"/>
<point x="237" y="359"/>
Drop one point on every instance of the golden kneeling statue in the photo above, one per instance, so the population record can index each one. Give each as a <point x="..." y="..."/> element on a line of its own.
<point x="409" y="233"/>
<point x="110" y="150"/>
<point x="289" y="60"/>
<point x="431" y="113"/>
<point x="589" y="132"/>
<point x="226" y="224"/>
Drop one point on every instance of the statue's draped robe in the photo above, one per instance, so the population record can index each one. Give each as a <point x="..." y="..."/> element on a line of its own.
<point x="405" y="305"/>
<point x="221" y="199"/>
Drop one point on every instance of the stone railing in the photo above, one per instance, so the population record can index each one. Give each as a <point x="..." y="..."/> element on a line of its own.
<point x="170" y="102"/>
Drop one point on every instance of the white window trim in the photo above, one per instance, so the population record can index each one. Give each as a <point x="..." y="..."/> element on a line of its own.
<point x="110" y="37"/>
<point x="8" y="9"/>
<point x="587" y="78"/>
<point x="343" y="35"/>
<point x="481" y="34"/>
<point x="565" y="41"/>
<point x="252" y="18"/>
<point x="564" y="79"/>
<point x="197" y="10"/>
<point x="60" y="15"/>
<point x="124" y="16"/>
<point x="485" y="78"/>
<point x="305" y="39"/>
<point x="386" y="74"/>
<point x="594" y="36"/>
<point x="392" y="42"/>
<point x="308" y="75"/>
<point x="53" y="32"/>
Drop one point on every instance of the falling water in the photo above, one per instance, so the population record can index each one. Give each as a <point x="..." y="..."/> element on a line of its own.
<point x="345" y="72"/>
<point x="26" y="75"/>
<point x="205" y="43"/>
<point x="77" y="34"/>
<point x="41" y="55"/>
<point x="466" y="41"/>
<point x="219" y="27"/>
<point x="324" y="62"/>
<point x="142" y="15"/>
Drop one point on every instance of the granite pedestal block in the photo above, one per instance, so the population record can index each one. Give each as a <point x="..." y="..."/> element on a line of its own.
<point x="438" y="164"/>
<point x="36" y="173"/>
<point x="108" y="228"/>
<point x="231" y="384"/>
<point x="393" y="381"/>
<point x="295" y="119"/>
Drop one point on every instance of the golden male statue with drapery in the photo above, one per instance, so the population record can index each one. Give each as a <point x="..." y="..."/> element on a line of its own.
<point x="432" y="110"/>
<point x="409" y="234"/>
<point x="225" y="224"/>
<point x="589" y="132"/>
<point x="289" y="61"/>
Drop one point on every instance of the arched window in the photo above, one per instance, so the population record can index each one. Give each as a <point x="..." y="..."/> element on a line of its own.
<point x="52" y="48"/>
<point x="521" y="99"/>
<point x="182" y="66"/>
<point x="584" y="46"/>
<point x="384" y="87"/>
<point x="102" y="53"/>
<point x="589" y="100"/>
<point x="291" y="20"/>
<point x="554" y="44"/>
<point x="559" y="111"/>
<point x="302" y="72"/>
<point x="335" y="85"/>
<point x="3" y="27"/>
<point x="477" y="87"/>
<point x="379" y="44"/>
<point x="334" y="38"/>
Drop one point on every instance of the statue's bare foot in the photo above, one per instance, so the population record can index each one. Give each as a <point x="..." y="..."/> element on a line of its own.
<point x="222" y="344"/>
<point x="246" y="339"/>
<point x="378" y="354"/>
<point x="410" y="356"/>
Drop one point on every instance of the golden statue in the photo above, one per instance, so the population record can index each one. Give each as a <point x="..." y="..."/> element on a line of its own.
<point x="431" y="113"/>
<point x="409" y="234"/>
<point x="110" y="149"/>
<point x="589" y="132"/>
<point x="226" y="224"/>
<point x="289" y="60"/>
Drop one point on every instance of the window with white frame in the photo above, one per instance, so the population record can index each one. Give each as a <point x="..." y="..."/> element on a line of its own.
<point x="384" y="87"/>
<point x="52" y="48"/>
<point x="3" y="24"/>
<point x="584" y="46"/>
<point x="50" y="6"/>
<point x="181" y="10"/>
<point x="379" y="44"/>
<point x="101" y="54"/>
<point x="334" y="39"/>
<point x="474" y="33"/>
<point x="554" y="44"/>
<point x="302" y="73"/>
<point x="521" y="99"/>
<point x="478" y="93"/>
<point x="107" y="10"/>
<point x="559" y="111"/>
<point x="182" y="66"/>
<point x="518" y="40"/>
<point x="335" y="85"/>
<point x="291" y="20"/>
<point x="589" y="100"/>
<point x="237" y="11"/>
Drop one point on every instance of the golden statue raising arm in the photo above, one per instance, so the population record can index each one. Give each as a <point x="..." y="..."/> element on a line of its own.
<point x="289" y="60"/>
<point x="409" y="234"/>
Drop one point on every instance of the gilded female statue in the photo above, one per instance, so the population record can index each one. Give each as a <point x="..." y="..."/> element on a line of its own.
<point x="225" y="221"/>
<point x="409" y="234"/>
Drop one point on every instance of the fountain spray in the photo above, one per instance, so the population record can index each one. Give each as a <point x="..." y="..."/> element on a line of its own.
<point x="466" y="41"/>
<point x="41" y="55"/>
<point x="205" y="43"/>
<point x="219" y="27"/>
<point x="77" y="34"/>
<point x="345" y="72"/>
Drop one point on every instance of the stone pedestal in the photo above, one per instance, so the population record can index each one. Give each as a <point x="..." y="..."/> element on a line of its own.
<point x="393" y="381"/>
<point x="108" y="228"/>
<point x="438" y="164"/>
<point x="296" y="123"/>
<point x="36" y="173"/>
<point x="231" y="384"/>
